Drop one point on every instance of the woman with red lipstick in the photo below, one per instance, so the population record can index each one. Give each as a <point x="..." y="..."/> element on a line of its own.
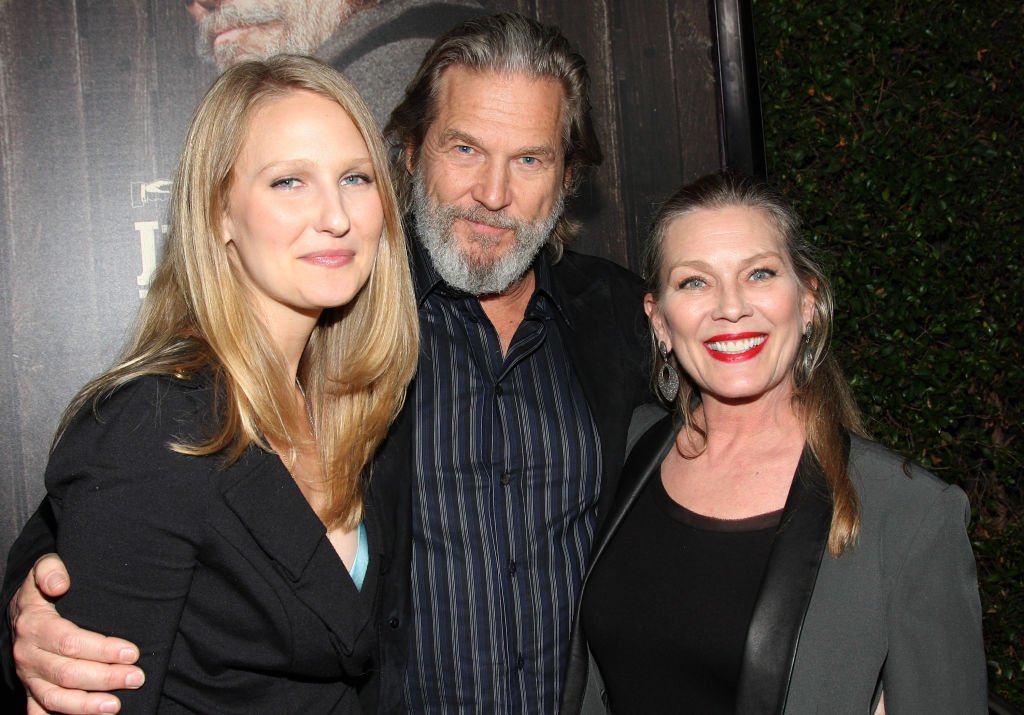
<point x="208" y="492"/>
<point x="763" y="556"/>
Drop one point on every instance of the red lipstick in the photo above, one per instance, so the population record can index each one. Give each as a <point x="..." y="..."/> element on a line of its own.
<point x="735" y="347"/>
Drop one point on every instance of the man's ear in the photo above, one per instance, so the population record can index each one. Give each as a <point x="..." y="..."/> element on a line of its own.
<point x="567" y="177"/>
<point x="410" y="158"/>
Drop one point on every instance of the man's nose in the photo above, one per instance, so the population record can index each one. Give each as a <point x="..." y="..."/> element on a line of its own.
<point x="492" y="187"/>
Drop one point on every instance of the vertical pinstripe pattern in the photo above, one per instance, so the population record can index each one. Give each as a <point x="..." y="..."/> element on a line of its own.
<point x="507" y="470"/>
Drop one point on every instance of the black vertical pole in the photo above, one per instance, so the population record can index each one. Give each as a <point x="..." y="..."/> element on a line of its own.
<point x="742" y="135"/>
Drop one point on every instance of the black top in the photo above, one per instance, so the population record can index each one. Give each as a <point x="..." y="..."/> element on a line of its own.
<point x="668" y="606"/>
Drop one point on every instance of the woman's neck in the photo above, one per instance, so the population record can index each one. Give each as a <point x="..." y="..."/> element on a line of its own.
<point x="727" y="426"/>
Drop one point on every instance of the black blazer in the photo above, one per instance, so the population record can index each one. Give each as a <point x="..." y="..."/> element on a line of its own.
<point x="605" y="332"/>
<point x="224" y="577"/>
<point x="898" y="612"/>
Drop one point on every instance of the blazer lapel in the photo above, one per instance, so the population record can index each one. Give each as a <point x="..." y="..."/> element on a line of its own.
<point x="643" y="464"/>
<point x="786" y="590"/>
<point x="262" y="495"/>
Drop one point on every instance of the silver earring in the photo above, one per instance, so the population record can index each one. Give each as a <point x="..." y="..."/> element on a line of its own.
<point x="808" y="352"/>
<point x="668" y="376"/>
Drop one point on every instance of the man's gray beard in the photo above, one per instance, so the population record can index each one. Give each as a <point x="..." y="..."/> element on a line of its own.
<point x="301" y="38"/>
<point x="435" y="225"/>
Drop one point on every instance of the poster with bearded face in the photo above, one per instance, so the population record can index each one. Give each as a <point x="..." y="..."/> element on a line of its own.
<point x="96" y="97"/>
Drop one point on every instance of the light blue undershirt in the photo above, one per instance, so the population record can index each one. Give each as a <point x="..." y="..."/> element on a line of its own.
<point x="362" y="560"/>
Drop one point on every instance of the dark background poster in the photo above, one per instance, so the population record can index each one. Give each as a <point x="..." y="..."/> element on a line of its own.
<point x="95" y="97"/>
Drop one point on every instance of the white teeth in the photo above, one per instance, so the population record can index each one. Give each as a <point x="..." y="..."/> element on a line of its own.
<point x="735" y="347"/>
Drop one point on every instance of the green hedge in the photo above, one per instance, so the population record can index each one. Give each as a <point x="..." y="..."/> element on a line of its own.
<point x="895" y="127"/>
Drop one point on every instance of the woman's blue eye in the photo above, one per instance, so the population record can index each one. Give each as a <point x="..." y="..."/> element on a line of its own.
<point x="356" y="180"/>
<point x="692" y="283"/>
<point x="760" y="274"/>
<point x="289" y="182"/>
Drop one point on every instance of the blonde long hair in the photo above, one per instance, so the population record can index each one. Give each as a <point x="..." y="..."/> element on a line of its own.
<point x="826" y="403"/>
<point x="198" y="314"/>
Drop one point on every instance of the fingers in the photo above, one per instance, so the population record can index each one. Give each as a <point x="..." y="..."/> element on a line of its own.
<point x="49" y="576"/>
<point x="40" y="635"/>
<point x="62" y="682"/>
<point x="34" y="707"/>
<point x="73" y="702"/>
<point x="58" y="683"/>
<point x="57" y="661"/>
<point x="49" y="649"/>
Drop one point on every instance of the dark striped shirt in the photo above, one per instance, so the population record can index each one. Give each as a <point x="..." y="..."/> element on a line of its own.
<point x="506" y="476"/>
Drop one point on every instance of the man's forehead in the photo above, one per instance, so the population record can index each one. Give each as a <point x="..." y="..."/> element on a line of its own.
<point x="521" y="101"/>
<point x="460" y="82"/>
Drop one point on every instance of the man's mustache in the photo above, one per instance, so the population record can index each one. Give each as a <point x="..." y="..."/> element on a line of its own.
<point x="494" y="219"/>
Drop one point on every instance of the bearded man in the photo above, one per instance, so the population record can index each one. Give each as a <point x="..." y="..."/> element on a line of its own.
<point x="532" y="362"/>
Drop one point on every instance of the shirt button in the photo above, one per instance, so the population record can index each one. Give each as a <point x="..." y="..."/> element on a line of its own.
<point x="393" y="623"/>
<point x="505" y="479"/>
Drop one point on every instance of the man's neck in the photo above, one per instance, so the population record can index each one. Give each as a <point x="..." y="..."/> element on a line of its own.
<point x="506" y="310"/>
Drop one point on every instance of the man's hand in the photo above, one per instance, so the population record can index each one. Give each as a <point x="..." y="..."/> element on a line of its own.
<point x="57" y="661"/>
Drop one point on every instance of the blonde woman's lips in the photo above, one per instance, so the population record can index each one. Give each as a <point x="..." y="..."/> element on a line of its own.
<point x="330" y="259"/>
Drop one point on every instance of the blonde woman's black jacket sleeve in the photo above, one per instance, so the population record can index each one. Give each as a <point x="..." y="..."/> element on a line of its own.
<point x="223" y="576"/>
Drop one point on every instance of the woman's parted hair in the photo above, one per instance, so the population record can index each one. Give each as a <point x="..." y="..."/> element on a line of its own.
<point x="199" y="315"/>
<point x="823" y="394"/>
<point x="505" y="43"/>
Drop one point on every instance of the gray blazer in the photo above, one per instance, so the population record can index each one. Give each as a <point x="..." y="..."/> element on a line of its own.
<point x="899" y="612"/>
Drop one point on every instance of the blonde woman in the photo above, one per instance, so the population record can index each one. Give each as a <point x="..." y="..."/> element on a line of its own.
<point x="209" y="492"/>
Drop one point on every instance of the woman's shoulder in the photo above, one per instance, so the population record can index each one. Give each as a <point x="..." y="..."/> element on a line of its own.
<point x="146" y="413"/>
<point x="643" y="420"/>
<point x="895" y="489"/>
<point x="878" y="466"/>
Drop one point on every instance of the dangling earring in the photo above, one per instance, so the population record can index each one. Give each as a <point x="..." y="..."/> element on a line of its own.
<point x="668" y="376"/>
<point x="808" y="352"/>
